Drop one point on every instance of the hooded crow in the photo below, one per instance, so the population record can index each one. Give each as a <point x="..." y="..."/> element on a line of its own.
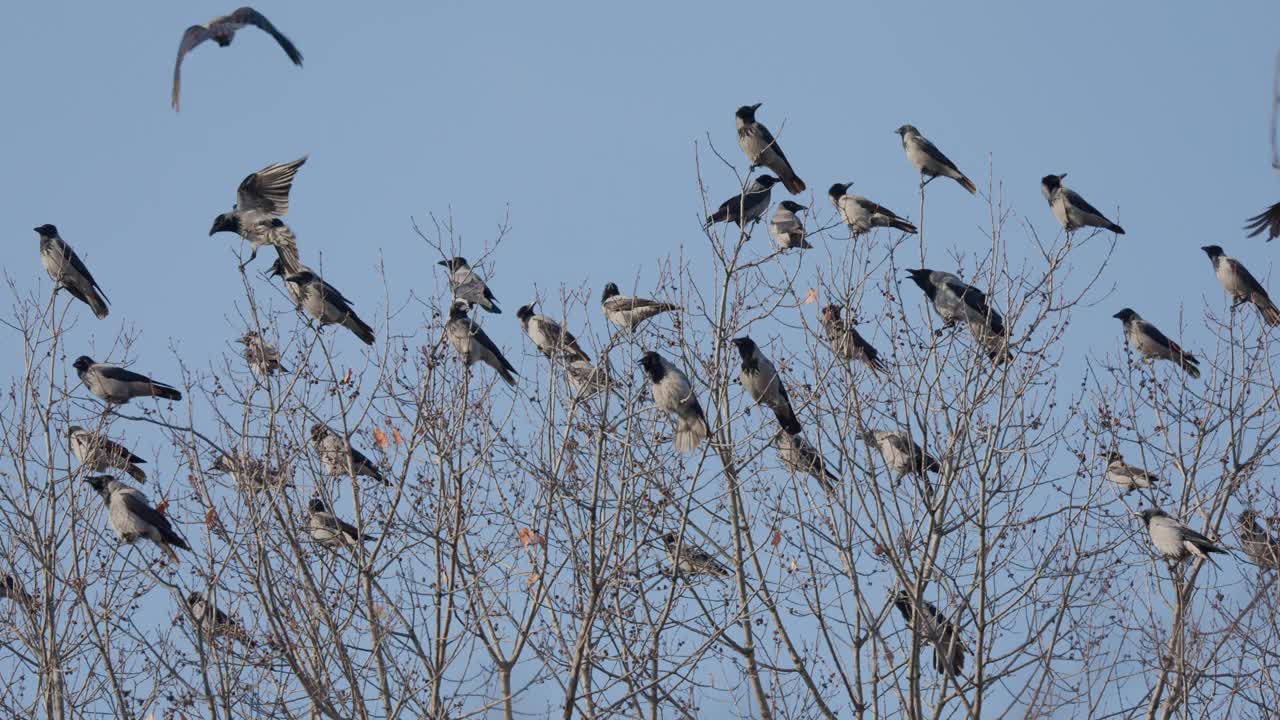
<point x="262" y="358"/>
<point x="467" y="285"/>
<point x="786" y="228"/>
<point x="116" y="385"/>
<point x="549" y="336"/>
<point x="132" y="517"/>
<point x="326" y="529"/>
<point x="1174" y="540"/>
<point x="222" y="30"/>
<point x="588" y="380"/>
<point x="747" y="207"/>
<point x="68" y="272"/>
<point x="213" y="623"/>
<point x="955" y="301"/>
<point x="1129" y="477"/>
<point x="929" y="161"/>
<point x="935" y="629"/>
<point x="1152" y="344"/>
<point x="848" y="344"/>
<point x="673" y="392"/>
<point x="471" y="343"/>
<point x="12" y="590"/>
<point x="261" y="200"/>
<point x="324" y="304"/>
<point x="98" y="453"/>
<point x="338" y="458"/>
<point x="626" y="311"/>
<point x="861" y="215"/>
<point x="797" y="455"/>
<point x="1241" y="285"/>
<point x="901" y="455"/>
<point x="764" y="385"/>
<point x="1267" y="221"/>
<point x="688" y="560"/>
<point x="250" y="473"/>
<point x="1257" y="543"/>
<point x="761" y="148"/>
<point x="1071" y="210"/>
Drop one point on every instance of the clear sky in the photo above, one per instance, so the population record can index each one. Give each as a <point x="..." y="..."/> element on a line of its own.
<point x="582" y="119"/>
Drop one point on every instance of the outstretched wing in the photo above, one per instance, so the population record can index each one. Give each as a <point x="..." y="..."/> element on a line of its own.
<point x="248" y="16"/>
<point x="268" y="189"/>
<point x="1267" y="221"/>
<point x="193" y="36"/>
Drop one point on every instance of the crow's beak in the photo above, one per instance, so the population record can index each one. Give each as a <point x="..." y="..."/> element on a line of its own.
<point x="756" y="107"/>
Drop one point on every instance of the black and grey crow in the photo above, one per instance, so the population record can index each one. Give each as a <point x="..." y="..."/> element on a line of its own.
<point x="1152" y="344"/>
<point x="328" y="530"/>
<point x="323" y="303"/>
<point x="549" y="336"/>
<point x="98" y="453"/>
<point x="1071" y="210"/>
<point x="935" y="629"/>
<point x="798" y="455"/>
<point x="786" y="228"/>
<point x="1240" y="284"/>
<point x="1267" y="221"/>
<point x="761" y="148"/>
<point x="688" y="560"/>
<point x="1129" y="477"/>
<point x="747" y="207"/>
<point x="956" y="301"/>
<point x="627" y="311"/>
<point x="116" y="385"/>
<point x="68" y="272"/>
<point x="262" y="358"/>
<point x="222" y="30"/>
<point x="673" y="393"/>
<point x="469" y="286"/>
<point x="250" y="473"/>
<point x="12" y="590"/>
<point x="928" y="160"/>
<point x="763" y="383"/>
<point x="471" y="343"/>
<point x="861" y="215"/>
<point x="901" y="455"/>
<point x="213" y="623"/>
<point x="338" y="458"/>
<point x="132" y="517"/>
<point x="1257" y="543"/>
<point x="1174" y="540"/>
<point x="848" y="344"/>
<point x="261" y="200"/>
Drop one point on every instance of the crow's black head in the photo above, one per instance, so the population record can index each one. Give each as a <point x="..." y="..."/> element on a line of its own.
<point x="226" y="222"/>
<point x="905" y="130"/>
<point x="766" y="181"/>
<point x="610" y="290"/>
<point x="838" y="190"/>
<point x="82" y="363"/>
<point x="1213" y="251"/>
<point x="792" y="205"/>
<point x="831" y="313"/>
<point x="921" y="278"/>
<point x="1125" y="315"/>
<point x="459" y="309"/>
<point x="746" y="347"/>
<point x="1052" y="182"/>
<point x="100" y="485"/>
<point x="747" y="113"/>
<point x="194" y="598"/>
<point x="1150" y="513"/>
<point x="1114" y="456"/>
<point x="317" y="506"/>
<point x="47" y="230"/>
<point x="525" y="312"/>
<point x="318" y="431"/>
<point x="652" y="364"/>
<point x="454" y="263"/>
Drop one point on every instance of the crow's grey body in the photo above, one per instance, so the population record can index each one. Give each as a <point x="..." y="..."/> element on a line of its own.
<point x="132" y="518"/>
<point x="627" y="311"/>
<point x="762" y="149"/>
<point x="673" y="393"/>
<point x="861" y="215"/>
<point x="261" y="200"/>
<point x="465" y="284"/>
<point x="1147" y="340"/>
<point x="929" y="161"/>
<point x="471" y="343"/>
<point x="1241" y="285"/>
<point x="797" y="455"/>
<point x="1175" y="540"/>
<point x="786" y="228"/>
<point x="68" y="272"/>
<point x="760" y="379"/>
<point x="116" y="385"/>
<point x="98" y="453"/>
<point x="1072" y="211"/>
<point x="847" y="343"/>
<point x="339" y="459"/>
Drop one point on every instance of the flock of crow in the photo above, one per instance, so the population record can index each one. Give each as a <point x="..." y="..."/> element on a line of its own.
<point x="262" y="199"/>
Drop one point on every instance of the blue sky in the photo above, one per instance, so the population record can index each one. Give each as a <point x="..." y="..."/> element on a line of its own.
<point x="582" y="120"/>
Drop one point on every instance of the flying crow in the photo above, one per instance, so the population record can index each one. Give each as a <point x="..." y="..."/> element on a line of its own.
<point x="261" y="200"/>
<point x="222" y="30"/>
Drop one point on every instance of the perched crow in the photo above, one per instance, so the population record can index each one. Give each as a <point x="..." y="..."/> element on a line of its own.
<point x="797" y="455"/>
<point x="116" y="385"/>
<point x="1267" y="221"/>
<point x="1071" y="210"/>
<point x="929" y="161"/>
<point x="673" y="393"/>
<point x="549" y="336"/>
<point x="12" y="590"/>
<point x="761" y="380"/>
<point x="471" y="343"/>
<point x="1175" y="540"/>
<point x="250" y="473"/>
<point x="101" y="454"/>
<point x="761" y="148"/>
<point x="847" y="343"/>
<point x="68" y="272"/>
<point x="955" y="301"/>
<point x="261" y="200"/>
<point x="747" y="207"/>
<point x="467" y="285"/>
<point x="934" y="629"/>
<point x="323" y="303"/>
<point x="786" y="228"/>
<point x="687" y="560"/>
<point x="626" y="311"/>
<point x="1257" y="543"/>
<point x="588" y="380"/>
<point x="1152" y="344"/>
<point x="861" y="215"/>
<point x="213" y="623"/>
<point x="338" y="458"/>
<point x="132" y="517"/>
<point x="262" y="358"/>
<point x="1241" y="285"/>
<point x="222" y="30"/>
<point x="901" y="455"/>
<point x="326" y="529"/>
<point x="1129" y="477"/>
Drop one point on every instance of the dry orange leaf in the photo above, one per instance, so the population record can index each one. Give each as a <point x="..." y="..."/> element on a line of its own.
<point x="395" y="436"/>
<point x="162" y="506"/>
<point x="380" y="438"/>
<point x="811" y="297"/>
<point x="529" y="537"/>
<point x="346" y="378"/>
<point x="777" y="538"/>
<point x="533" y="579"/>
